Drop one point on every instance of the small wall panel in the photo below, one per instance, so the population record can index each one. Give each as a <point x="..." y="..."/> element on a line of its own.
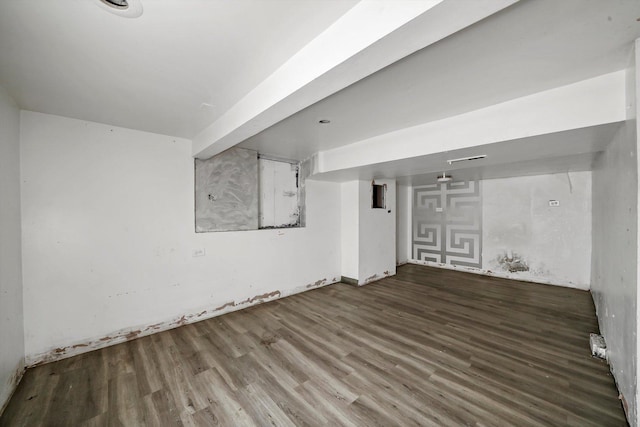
<point x="278" y="194"/>
<point x="226" y="191"/>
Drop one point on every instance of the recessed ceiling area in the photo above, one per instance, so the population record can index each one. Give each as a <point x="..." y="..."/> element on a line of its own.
<point x="526" y="48"/>
<point x="559" y="152"/>
<point x="176" y="70"/>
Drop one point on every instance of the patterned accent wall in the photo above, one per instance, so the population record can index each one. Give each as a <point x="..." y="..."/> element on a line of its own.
<point x="447" y="223"/>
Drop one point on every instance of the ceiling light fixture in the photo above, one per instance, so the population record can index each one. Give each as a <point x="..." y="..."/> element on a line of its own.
<point x="122" y="4"/>
<point x="463" y="159"/>
<point x="444" y="178"/>
<point x="324" y="121"/>
<point x="124" y="8"/>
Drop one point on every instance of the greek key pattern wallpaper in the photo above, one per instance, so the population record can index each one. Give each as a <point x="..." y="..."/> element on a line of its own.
<point x="447" y="223"/>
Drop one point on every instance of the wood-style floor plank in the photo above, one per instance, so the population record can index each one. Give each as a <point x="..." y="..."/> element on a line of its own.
<point x="427" y="347"/>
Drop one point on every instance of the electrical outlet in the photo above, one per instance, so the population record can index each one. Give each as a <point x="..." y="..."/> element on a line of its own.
<point x="198" y="252"/>
<point x="554" y="203"/>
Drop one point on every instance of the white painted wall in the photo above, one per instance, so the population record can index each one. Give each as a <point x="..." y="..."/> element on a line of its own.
<point x="555" y="242"/>
<point x="403" y="223"/>
<point x="108" y="237"/>
<point x="11" y="312"/>
<point x="615" y="248"/>
<point x="377" y="233"/>
<point x="368" y="235"/>
<point x="350" y="228"/>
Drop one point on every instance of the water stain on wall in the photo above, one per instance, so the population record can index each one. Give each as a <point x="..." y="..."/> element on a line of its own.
<point x="63" y="352"/>
<point x="512" y="262"/>
<point x="316" y="284"/>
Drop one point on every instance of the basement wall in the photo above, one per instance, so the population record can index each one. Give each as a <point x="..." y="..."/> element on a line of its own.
<point x="553" y="244"/>
<point x="615" y="250"/>
<point x="368" y="236"/>
<point x="109" y="241"/>
<point x="11" y="312"/>
<point x="377" y="233"/>
<point x="521" y="236"/>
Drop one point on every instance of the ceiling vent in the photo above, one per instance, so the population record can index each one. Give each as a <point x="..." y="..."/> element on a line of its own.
<point x="124" y="8"/>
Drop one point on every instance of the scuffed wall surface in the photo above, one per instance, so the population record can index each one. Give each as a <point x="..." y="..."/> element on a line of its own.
<point x="97" y="262"/>
<point x="11" y="312"/>
<point x="226" y="191"/>
<point x="377" y="233"/>
<point x="615" y="258"/>
<point x="525" y="238"/>
<point x="368" y="235"/>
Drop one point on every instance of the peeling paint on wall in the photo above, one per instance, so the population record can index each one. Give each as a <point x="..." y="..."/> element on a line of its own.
<point x="12" y="383"/>
<point x="64" y="352"/>
<point x="525" y="238"/>
<point x="512" y="262"/>
<point x="370" y="278"/>
<point x="133" y="334"/>
<point x="316" y="284"/>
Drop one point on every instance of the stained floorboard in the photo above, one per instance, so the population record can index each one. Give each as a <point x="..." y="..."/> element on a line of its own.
<point x="427" y="347"/>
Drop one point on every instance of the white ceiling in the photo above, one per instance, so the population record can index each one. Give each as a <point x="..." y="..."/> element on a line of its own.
<point x="525" y="48"/>
<point x="153" y="73"/>
<point x="157" y="72"/>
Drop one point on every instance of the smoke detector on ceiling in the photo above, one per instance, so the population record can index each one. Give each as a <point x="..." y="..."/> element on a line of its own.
<point x="444" y="178"/>
<point x="124" y="8"/>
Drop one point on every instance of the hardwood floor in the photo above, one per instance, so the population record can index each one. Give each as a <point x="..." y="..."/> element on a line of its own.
<point x="427" y="347"/>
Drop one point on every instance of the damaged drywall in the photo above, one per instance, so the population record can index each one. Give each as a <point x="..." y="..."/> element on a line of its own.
<point x="59" y="353"/>
<point x="526" y="237"/>
<point x="145" y="242"/>
<point x="318" y="283"/>
<point x="511" y="262"/>
<point x="12" y="383"/>
<point x="226" y="191"/>
<point x="534" y="228"/>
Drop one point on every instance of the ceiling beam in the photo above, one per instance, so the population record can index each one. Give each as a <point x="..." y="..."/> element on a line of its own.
<point x="593" y="102"/>
<point x="370" y="36"/>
